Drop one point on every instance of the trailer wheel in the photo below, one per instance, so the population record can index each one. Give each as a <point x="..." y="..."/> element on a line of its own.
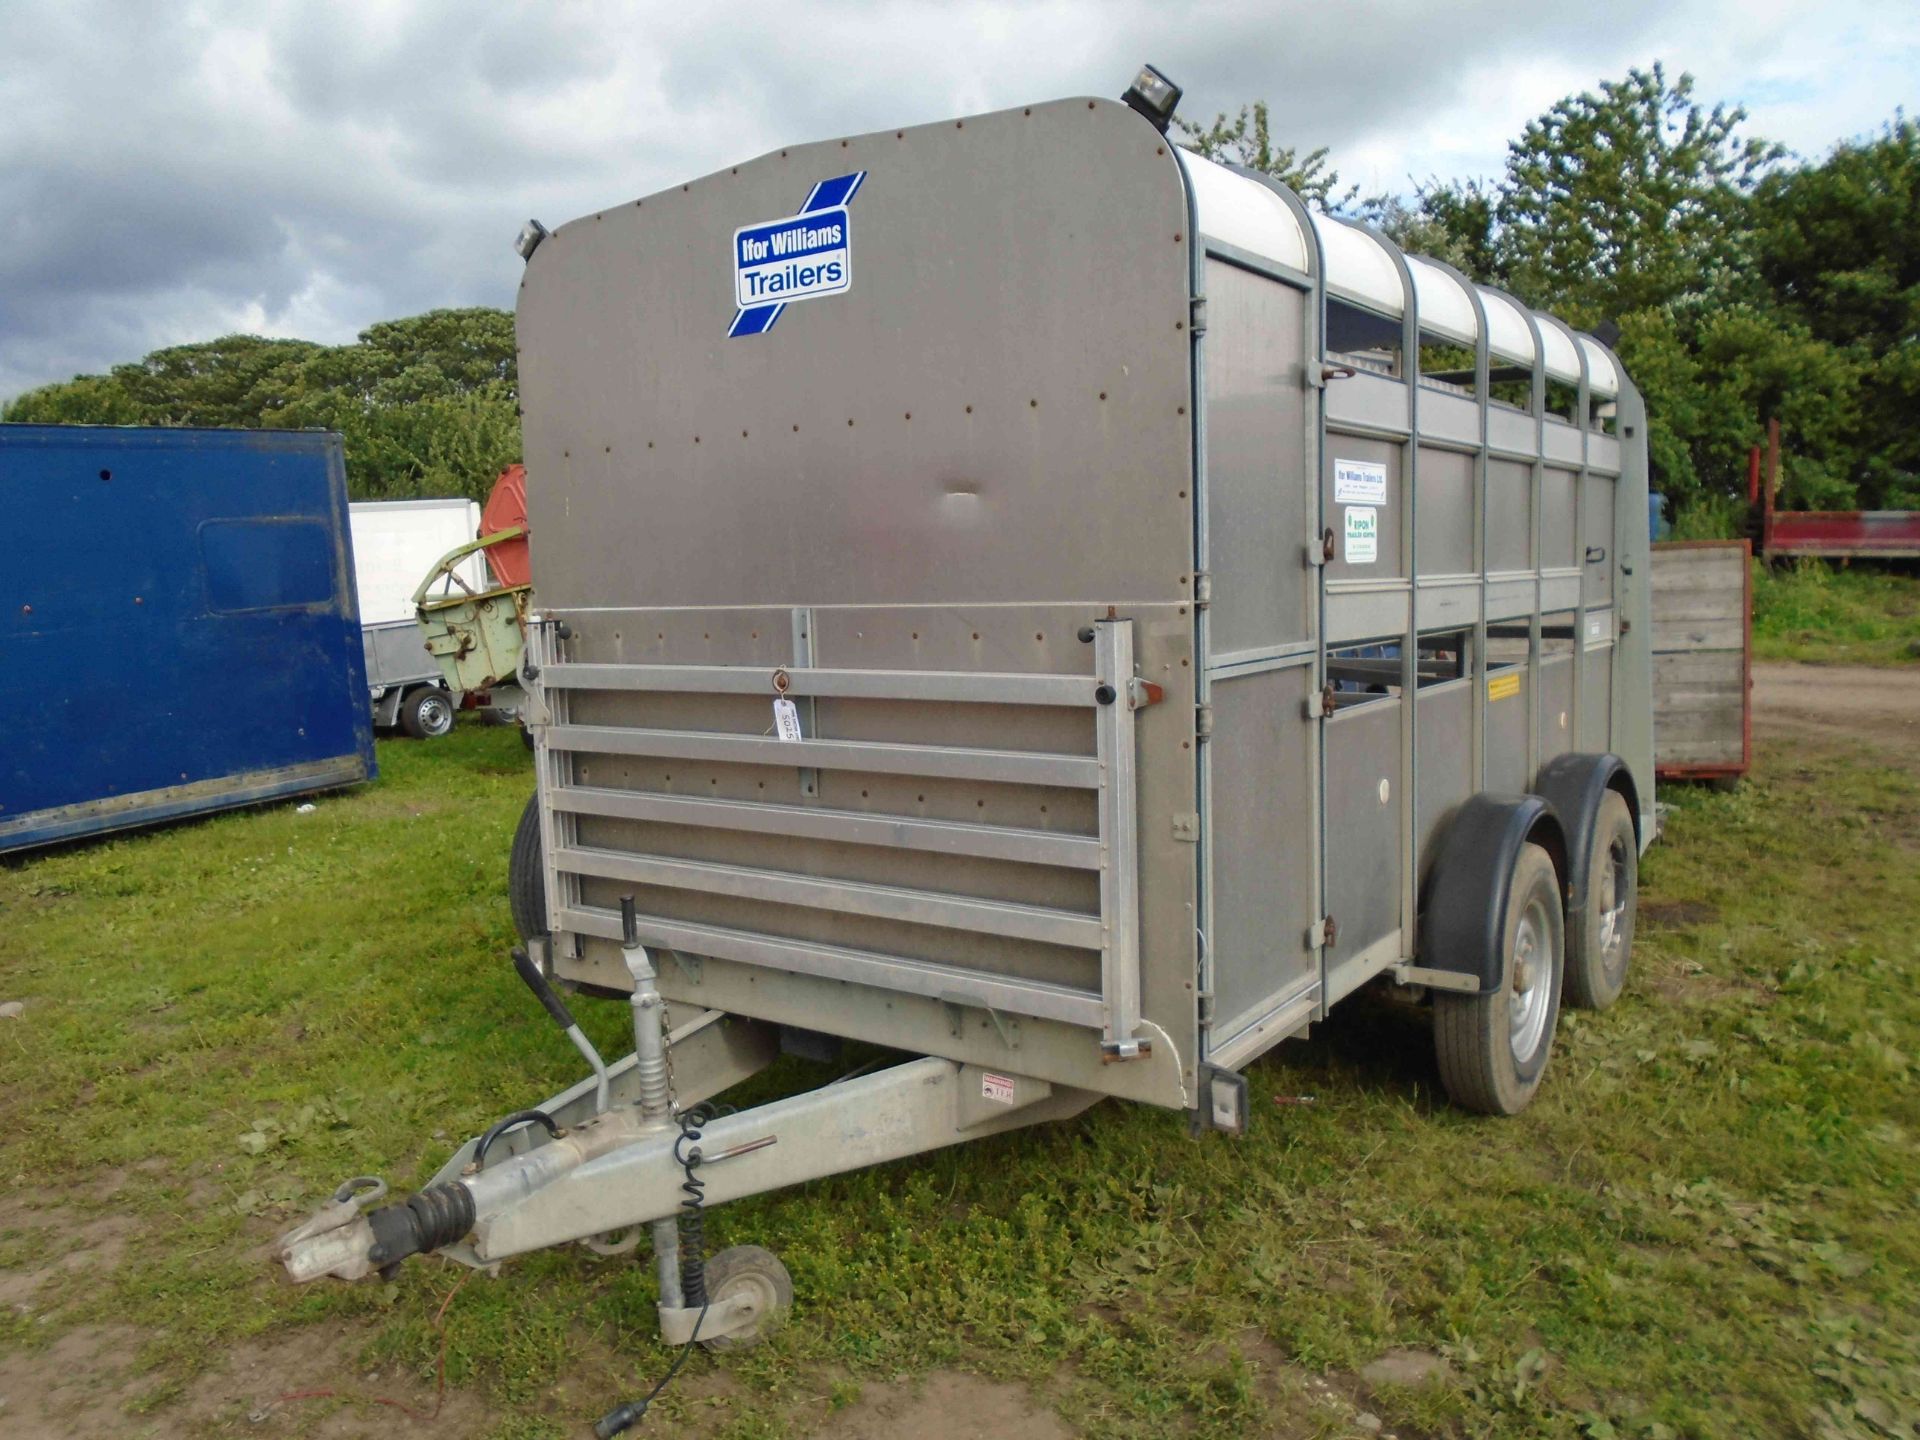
<point x="1600" y="946"/>
<point x="526" y="886"/>
<point x="427" y="713"/>
<point x="749" y="1272"/>
<point x="1493" y="1048"/>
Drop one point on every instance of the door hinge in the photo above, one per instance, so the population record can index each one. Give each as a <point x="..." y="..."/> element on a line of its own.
<point x="1322" y="933"/>
<point x="1187" y="827"/>
<point x="1202" y="589"/>
<point x="1320" y="704"/>
<point x="1197" y="308"/>
<point x="1203" y="722"/>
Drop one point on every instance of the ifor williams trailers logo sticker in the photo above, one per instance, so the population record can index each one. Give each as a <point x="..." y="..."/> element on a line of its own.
<point x="801" y="257"/>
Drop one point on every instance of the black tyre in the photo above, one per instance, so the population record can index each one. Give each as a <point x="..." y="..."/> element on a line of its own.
<point x="1599" y="947"/>
<point x="1493" y="1048"/>
<point x="752" y="1274"/>
<point x="427" y="713"/>
<point x="526" y="885"/>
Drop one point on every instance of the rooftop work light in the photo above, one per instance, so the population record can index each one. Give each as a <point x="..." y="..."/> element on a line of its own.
<point x="1154" y="96"/>
<point x="529" y="238"/>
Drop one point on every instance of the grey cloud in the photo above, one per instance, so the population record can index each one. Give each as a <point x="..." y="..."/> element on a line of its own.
<point x="169" y="172"/>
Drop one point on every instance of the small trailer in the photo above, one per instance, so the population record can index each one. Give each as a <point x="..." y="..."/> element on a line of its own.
<point x="178" y="624"/>
<point x="1018" y="594"/>
<point x="1703" y="660"/>
<point x="395" y="544"/>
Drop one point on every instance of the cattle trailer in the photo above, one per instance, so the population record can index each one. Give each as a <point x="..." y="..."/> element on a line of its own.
<point x="1016" y="593"/>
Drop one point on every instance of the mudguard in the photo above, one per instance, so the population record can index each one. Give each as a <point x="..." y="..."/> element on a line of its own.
<point x="1575" y="785"/>
<point x="1465" y="915"/>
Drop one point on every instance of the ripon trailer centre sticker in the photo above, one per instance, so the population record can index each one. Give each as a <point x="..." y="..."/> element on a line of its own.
<point x="799" y="257"/>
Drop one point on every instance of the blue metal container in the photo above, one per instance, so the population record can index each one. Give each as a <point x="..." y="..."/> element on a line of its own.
<point x="1658" y="526"/>
<point x="177" y="625"/>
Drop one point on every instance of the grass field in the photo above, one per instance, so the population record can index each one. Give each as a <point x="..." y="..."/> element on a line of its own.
<point x="1706" y="1226"/>
<point x="1816" y="611"/>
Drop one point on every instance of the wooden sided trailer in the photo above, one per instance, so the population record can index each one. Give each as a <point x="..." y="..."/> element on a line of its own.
<point x="1703" y="659"/>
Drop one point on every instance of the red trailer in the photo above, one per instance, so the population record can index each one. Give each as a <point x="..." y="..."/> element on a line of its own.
<point x="1830" y="534"/>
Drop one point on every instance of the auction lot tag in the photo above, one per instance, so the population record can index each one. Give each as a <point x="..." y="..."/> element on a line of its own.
<point x="786" y="719"/>
<point x="1363" y="535"/>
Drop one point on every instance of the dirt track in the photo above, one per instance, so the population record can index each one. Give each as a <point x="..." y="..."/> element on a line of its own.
<point x="1879" y="706"/>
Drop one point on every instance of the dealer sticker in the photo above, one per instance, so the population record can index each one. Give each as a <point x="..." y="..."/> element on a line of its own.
<point x="799" y="258"/>
<point x="1359" y="482"/>
<point x="1363" y="535"/>
<point x="806" y="256"/>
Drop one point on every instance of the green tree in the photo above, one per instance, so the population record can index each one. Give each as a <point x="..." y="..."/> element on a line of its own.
<point x="1838" y="248"/>
<point x="1247" y="140"/>
<point x="1636" y="204"/>
<point x="235" y="380"/>
<point x="425" y="405"/>
<point x="448" y="444"/>
<point x="83" y="400"/>
<point x="1450" y="220"/>
<point x="1629" y="199"/>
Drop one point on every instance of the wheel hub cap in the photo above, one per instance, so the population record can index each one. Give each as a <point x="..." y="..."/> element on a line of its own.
<point x="1612" y="904"/>
<point x="1530" y="989"/>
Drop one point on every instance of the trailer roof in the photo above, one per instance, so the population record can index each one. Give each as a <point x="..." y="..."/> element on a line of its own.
<point x="1445" y="306"/>
<point x="1363" y="268"/>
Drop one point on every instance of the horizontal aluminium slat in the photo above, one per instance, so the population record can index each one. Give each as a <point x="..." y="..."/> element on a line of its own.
<point x="1039" y="999"/>
<point x="943" y="837"/>
<point x="985" y="687"/>
<point x="846" y="897"/>
<point x="1013" y="767"/>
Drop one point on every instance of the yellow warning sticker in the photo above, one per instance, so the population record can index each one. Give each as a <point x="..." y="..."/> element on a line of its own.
<point x="1499" y="687"/>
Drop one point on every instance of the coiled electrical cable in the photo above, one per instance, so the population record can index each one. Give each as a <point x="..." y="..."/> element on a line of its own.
<point x="693" y="1267"/>
<point x="693" y="1221"/>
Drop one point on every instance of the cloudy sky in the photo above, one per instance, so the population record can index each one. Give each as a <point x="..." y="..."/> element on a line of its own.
<point x="176" y="171"/>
